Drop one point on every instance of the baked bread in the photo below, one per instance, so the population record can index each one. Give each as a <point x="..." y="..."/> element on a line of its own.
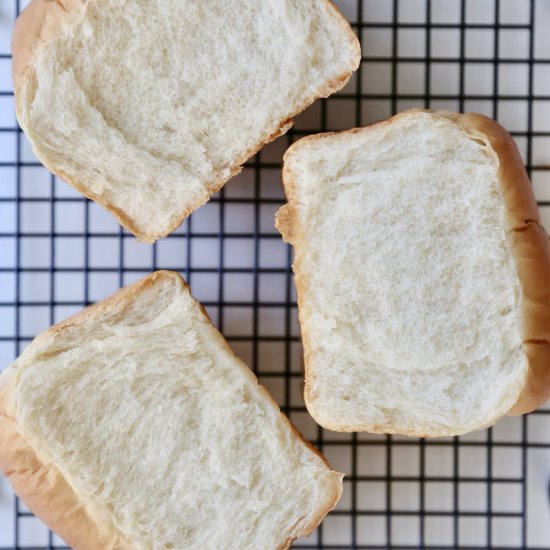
<point x="148" y="108"/>
<point x="133" y="426"/>
<point x="423" y="275"/>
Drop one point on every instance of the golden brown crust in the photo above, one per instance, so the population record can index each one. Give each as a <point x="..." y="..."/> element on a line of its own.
<point x="528" y="241"/>
<point x="43" y="19"/>
<point x="530" y="248"/>
<point x="42" y="486"/>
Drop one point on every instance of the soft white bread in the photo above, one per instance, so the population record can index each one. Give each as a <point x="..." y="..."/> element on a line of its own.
<point x="423" y="275"/>
<point x="148" y="108"/>
<point x="133" y="426"/>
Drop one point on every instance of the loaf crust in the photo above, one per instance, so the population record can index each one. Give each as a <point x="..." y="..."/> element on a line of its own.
<point x="530" y="250"/>
<point x="44" y="19"/>
<point x="45" y="490"/>
<point x="527" y="239"/>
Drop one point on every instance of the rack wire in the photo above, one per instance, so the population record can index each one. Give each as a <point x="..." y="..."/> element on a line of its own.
<point x="59" y="252"/>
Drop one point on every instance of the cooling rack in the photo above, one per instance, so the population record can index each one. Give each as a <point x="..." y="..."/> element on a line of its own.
<point x="59" y="252"/>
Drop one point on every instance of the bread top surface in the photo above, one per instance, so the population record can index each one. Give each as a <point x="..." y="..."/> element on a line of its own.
<point x="149" y="107"/>
<point x="418" y="312"/>
<point x="165" y="438"/>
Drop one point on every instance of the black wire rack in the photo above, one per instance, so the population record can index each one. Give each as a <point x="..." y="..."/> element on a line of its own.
<point x="59" y="252"/>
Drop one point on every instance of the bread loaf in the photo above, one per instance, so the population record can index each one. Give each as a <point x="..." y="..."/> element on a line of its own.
<point x="423" y="275"/>
<point x="149" y="107"/>
<point x="133" y="426"/>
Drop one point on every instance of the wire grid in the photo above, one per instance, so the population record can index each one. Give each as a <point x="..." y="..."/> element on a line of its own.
<point x="59" y="252"/>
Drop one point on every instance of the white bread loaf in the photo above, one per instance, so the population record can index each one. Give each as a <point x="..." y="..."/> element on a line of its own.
<point x="133" y="426"/>
<point x="423" y="275"/>
<point x="149" y="107"/>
